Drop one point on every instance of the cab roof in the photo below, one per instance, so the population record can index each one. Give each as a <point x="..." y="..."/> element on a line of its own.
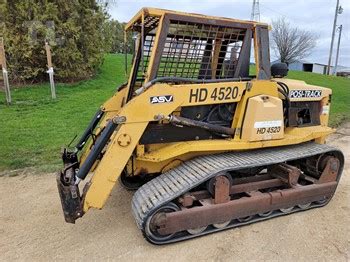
<point x="151" y="15"/>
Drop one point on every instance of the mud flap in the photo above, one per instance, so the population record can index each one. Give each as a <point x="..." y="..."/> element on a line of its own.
<point x="70" y="199"/>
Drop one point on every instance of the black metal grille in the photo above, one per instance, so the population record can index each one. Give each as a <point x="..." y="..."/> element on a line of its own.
<point x="194" y="50"/>
<point x="143" y="66"/>
<point x="200" y="51"/>
<point x="150" y="23"/>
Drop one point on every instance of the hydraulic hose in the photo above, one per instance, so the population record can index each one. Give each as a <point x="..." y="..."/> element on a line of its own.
<point x="178" y="120"/>
<point x="96" y="150"/>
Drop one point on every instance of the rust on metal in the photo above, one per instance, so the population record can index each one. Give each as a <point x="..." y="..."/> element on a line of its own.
<point x="330" y="171"/>
<point x="246" y="187"/>
<point x="222" y="190"/>
<point x="186" y="200"/>
<point x="70" y="199"/>
<point x="243" y="207"/>
<point x="249" y="179"/>
<point x="287" y="173"/>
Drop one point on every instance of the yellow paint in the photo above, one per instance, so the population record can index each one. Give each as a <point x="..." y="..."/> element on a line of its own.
<point x="160" y="12"/>
<point x="263" y="119"/>
<point x="155" y="46"/>
<point x="139" y="111"/>
<point x="111" y="166"/>
<point x="292" y="136"/>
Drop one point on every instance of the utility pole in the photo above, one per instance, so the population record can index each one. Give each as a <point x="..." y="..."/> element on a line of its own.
<point x="338" y="10"/>
<point x="340" y="28"/>
<point x="255" y="16"/>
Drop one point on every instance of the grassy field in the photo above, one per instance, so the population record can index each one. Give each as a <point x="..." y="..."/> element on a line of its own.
<point x="34" y="128"/>
<point x="340" y="108"/>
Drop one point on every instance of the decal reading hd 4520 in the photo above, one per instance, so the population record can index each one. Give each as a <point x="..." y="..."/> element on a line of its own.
<point x="305" y="93"/>
<point x="218" y="94"/>
<point x="161" y="99"/>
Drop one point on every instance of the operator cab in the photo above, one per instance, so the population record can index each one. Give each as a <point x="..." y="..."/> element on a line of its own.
<point x="182" y="45"/>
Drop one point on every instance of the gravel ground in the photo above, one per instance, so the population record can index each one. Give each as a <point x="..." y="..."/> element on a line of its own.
<point x="32" y="228"/>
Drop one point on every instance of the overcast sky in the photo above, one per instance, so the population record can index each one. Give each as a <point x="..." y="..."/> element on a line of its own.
<point x="314" y="15"/>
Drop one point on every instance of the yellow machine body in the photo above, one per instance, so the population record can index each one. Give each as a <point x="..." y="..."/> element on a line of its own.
<point x="161" y="157"/>
<point x="259" y="114"/>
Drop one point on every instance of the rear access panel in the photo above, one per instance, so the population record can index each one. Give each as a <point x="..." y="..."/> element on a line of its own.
<point x="263" y="119"/>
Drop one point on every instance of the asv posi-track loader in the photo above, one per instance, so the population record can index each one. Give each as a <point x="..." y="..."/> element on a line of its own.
<point x="207" y="145"/>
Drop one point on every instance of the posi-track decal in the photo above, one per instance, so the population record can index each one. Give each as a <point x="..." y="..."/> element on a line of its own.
<point x="305" y="93"/>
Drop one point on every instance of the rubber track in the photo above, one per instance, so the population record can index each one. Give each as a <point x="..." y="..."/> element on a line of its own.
<point x="196" y="171"/>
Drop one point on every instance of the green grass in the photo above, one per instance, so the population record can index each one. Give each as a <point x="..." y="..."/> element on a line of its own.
<point x="34" y="128"/>
<point x="340" y="107"/>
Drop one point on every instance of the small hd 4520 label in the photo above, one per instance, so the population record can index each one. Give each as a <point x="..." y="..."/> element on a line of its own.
<point x="161" y="99"/>
<point x="305" y="93"/>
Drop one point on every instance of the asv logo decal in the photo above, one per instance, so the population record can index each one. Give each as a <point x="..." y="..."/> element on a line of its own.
<point x="305" y="93"/>
<point x="161" y="99"/>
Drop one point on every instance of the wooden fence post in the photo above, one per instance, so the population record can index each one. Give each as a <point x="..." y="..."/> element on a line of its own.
<point x="4" y="72"/>
<point x="50" y="70"/>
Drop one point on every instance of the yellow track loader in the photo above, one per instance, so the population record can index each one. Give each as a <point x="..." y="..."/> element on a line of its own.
<point x="208" y="140"/>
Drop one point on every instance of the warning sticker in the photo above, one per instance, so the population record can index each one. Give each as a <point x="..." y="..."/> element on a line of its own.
<point x="265" y="124"/>
<point x="325" y="110"/>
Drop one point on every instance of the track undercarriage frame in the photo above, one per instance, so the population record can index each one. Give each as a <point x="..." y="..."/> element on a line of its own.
<point x="239" y="197"/>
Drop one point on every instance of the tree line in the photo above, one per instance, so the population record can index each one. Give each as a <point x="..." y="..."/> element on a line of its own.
<point x="79" y="32"/>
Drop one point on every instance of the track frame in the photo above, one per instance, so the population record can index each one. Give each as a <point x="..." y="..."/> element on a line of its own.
<point x="284" y="187"/>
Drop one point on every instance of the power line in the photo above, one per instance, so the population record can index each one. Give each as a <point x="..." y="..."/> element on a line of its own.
<point x="273" y="11"/>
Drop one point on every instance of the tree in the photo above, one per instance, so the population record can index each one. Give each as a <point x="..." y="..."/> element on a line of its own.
<point x="73" y="29"/>
<point x="113" y="33"/>
<point x="291" y="43"/>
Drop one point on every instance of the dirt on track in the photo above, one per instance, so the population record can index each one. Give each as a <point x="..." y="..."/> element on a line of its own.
<point x="32" y="228"/>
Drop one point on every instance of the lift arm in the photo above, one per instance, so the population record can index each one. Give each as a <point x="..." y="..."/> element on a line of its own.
<point x="120" y="133"/>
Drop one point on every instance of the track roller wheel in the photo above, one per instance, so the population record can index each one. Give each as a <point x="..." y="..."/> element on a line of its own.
<point x="323" y="201"/>
<point x="151" y="228"/>
<point x="286" y="210"/>
<point x="265" y="214"/>
<point x="211" y="183"/>
<point x="304" y="206"/>
<point x="244" y="219"/>
<point x="221" y="225"/>
<point x="196" y="231"/>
